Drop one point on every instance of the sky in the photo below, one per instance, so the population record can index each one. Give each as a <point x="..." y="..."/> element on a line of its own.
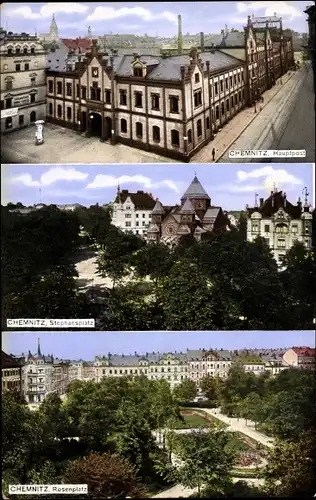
<point x="87" y="345"/>
<point x="230" y="186"/>
<point x="152" y="18"/>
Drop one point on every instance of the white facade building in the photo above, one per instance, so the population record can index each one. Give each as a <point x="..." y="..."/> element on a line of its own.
<point x="132" y="211"/>
<point x="23" y="80"/>
<point x="280" y="223"/>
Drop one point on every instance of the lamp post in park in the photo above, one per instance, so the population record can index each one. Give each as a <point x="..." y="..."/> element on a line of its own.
<point x="39" y="132"/>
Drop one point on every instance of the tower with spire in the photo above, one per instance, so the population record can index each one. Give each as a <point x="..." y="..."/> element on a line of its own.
<point x="53" y="31"/>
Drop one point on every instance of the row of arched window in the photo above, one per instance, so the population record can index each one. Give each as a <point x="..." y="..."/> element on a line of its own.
<point x="18" y="50"/>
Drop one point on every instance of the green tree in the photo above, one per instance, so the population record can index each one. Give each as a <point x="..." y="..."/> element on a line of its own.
<point x="153" y="260"/>
<point x="251" y="407"/>
<point x="186" y="298"/>
<point x="107" y="476"/>
<point x="210" y="387"/>
<point x="207" y="461"/>
<point x="185" y="391"/>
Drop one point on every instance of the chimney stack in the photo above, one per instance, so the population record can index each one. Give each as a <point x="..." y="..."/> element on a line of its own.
<point x="202" y="41"/>
<point x="180" y="40"/>
<point x="284" y="200"/>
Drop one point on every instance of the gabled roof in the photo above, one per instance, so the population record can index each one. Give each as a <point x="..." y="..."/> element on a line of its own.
<point x="140" y="199"/>
<point x="195" y="190"/>
<point x="187" y="208"/>
<point x="273" y="203"/>
<point x="158" y="208"/>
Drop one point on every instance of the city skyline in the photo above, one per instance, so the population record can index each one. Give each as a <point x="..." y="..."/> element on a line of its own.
<point x="231" y="187"/>
<point x="91" y="344"/>
<point x="154" y="19"/>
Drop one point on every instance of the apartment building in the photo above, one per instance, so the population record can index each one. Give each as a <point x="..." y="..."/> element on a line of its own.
<point x="11" y="374"/>
<point x="23" y="80"/>
<point x="131" y="212"/>
<point x="301" y="357"/>
<point x="280" y="222"/>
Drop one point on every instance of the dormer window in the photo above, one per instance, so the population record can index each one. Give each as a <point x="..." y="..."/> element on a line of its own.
<point x="138" y="72"/>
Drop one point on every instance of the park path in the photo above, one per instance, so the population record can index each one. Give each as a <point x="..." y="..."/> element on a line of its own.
<point x="241" y="425"/>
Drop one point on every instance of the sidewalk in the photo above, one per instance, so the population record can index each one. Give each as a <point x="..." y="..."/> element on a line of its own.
<point x="233" y="129"/>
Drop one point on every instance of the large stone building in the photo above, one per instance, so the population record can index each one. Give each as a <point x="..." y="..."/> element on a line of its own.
<point x="11" y="374"/>
<point x="195" y="217"/>
<point x="280" y="223"/>
<point x="23" y="80"/>
<point x="131" y="212"/>
<point x="311" y="13"/>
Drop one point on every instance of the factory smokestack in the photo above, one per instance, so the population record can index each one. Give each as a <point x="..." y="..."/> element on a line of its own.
<point x="180" y="41"/>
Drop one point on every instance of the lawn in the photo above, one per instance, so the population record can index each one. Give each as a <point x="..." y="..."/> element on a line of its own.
<point x="192" y="422"/>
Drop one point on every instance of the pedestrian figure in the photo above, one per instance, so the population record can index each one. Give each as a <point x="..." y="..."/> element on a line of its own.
<point x="213" y="154"/>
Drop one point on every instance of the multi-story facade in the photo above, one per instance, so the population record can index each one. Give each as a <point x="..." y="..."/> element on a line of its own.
<point x="23" y="80"/>
<point x="301" y="357"/>
<point x="11" y="374"/>
<point x="280" y="223"/>
<point x="195" y="216"/>
<point x="311" y="13"/>
<point x="131" y="212"/>
<point x="171" y="106"/>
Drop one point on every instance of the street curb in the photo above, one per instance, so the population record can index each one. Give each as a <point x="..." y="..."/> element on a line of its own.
<point x="252" y="119"/>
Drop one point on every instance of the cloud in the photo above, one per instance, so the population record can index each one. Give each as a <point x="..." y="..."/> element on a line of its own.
<point x="110" y="13"/>
<point x="270" y="177"/>
<point x="47" y="10"/>
<point x="53" y="175"/>
<point x="106" y="181"/>
<point x="269" y="8"/>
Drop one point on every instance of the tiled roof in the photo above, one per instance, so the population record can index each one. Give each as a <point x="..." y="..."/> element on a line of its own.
<point x="195" y="190"/>
<point x="304" y="351"/>
<point x="77" y="43"/>
<point x="235" y="39"/>
<point x="272" y="204"/>
<point x="8" y="361"/>
<point x="141" y="200"/>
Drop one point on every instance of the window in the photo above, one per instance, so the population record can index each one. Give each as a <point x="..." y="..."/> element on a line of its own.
<point x="123" y="97"/>
<point x="33" y="96"/>
<point x="8" y="122"/>
<point x="155" y="102"/>
<point x="139" y="130"/>
<point x="33" y="81"/>
<point x="77" y="90"/>
<point x="33" y="117"/>
<point x="138" y="72"/>
<point x="123" y="125"/>
<point x="17" y="51"/>
<point x="25" y="51"/>
<point x="68" y="113"/>
<point x="216" y="88"/>
<point x="32" y="50"/>
<point x="21" y="120"/>
<point x="128" y="224"/>
<point x="207" y="122"/>
<point x="266" y="228"/>
<point x="156" y="133"/>
<point x="221" y="83"/>
<point x="231" y="81"/>
<point x="197" y="99"/>
<point x="69" y="89"/>
<point x="175" y="139"/>
<point x="295" y="229"/>
<point x="281" y="243"/>
<point x="235" y="79"/>
<point x="50" y="86"/>
<point x="223" y="108"/>
<point x="227" y="104"/>
<point x="232" y="101"/>
<point x="128" y="216"/>
<point x="8" y="85"/>
<point x="18" y="67"/>
<point x="26" y="66"/>
<point x="107" y="96"/>
<point x="217" y="112"/>
<point x="83" y="92"/>
<point x="174" y="104"/>
<point x="137" y="223"/>
<point x="235" y="97"/>
<point x="255" y="228"/>
<point x="190" y="136"/>
<point x="59" y="111"/>
<point x="138" y="100"/>
<point x="50" y="108"/>
<point x="199" y="128"/>
<point x="10" y="51"/>
<point x="59" y="88"/>
<point x="78" y="115"/>
<point x="197" y="77"/>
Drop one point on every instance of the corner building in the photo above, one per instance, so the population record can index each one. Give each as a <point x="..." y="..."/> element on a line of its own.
<point x="171" y="106"/>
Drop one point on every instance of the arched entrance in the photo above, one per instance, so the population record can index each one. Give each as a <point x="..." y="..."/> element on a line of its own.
<point x="107" y="128"/>
<point x="95" y="124"/>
